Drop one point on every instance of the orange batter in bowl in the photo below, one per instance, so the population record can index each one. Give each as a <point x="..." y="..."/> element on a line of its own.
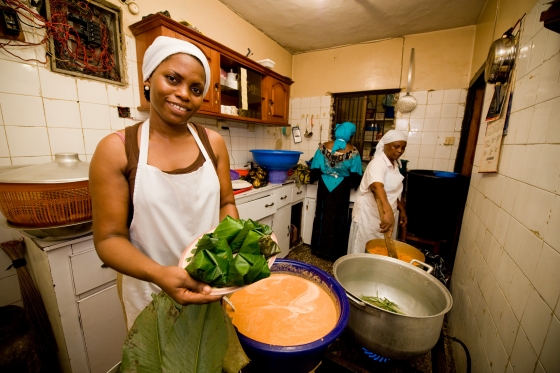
<point x="283" y="310"/>
<point x="379" y="250"/>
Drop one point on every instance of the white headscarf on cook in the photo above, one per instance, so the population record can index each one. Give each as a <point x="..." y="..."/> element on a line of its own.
<point x="389" y="137"/>
<point x="164" y="47"/>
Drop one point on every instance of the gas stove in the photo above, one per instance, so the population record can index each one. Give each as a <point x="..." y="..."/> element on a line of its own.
<point x="345" y="356"/>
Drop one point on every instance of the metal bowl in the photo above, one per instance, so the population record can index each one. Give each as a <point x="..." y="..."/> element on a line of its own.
<point x="58" y="233"/>
<point x="422" y="298"/>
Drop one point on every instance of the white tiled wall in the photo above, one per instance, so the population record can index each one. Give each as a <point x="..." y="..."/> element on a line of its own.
<point x="506" y="280"/>
<point x="439" y="114"/>
<point x="239" y="139"/>
<point x="301" y="110"/>
<point x="42" y="113"/>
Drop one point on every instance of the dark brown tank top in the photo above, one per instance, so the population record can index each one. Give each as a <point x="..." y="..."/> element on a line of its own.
<point x="133" y="151"/>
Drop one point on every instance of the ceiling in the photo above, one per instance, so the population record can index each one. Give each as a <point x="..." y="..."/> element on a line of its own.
<point x="306" y="25"/>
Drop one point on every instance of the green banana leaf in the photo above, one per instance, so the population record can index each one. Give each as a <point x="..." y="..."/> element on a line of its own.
<point x="238" y="240"/>
<point x="268" y="247"/>
<point x="167" y="337"/>
<point x="235" y="358"/>
<point x="264" y="229"/>
<point x="210" y="267"/>
<point x="147" y="337"/>
<point x="251" y="243"/>
<point x="228" y="228"/>
<point x="246" y="269"/>
<point x="206" y="242"/>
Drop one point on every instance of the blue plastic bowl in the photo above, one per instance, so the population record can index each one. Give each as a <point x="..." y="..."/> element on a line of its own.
<point x="445" y="174"/>
<point x="300" y="358"/>
<point x="276" y="159"/>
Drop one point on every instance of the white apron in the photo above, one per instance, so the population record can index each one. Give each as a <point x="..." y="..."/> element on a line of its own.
<point x="170" y="212"/>
<point x="366" y="226"/>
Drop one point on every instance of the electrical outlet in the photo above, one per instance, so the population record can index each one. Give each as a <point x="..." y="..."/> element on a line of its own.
<point x="449" y="141"/>
<point x="250" y="127"/>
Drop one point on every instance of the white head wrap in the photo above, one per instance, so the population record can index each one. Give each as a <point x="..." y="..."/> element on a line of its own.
<point x="164" y="47"/>
<point x="389" y="137"/>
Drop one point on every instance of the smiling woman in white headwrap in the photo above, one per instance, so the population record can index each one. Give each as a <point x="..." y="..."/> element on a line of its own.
<point x="382" y="180"/>
<point x="158" y="185"/>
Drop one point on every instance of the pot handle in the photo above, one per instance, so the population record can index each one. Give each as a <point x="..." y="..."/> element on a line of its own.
<point x="430" y="268"/>
<point x="355" y="300"/>
<point x="367" y="307"/>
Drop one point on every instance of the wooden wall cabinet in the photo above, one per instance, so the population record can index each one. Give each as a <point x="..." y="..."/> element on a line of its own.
<point x="272" y="107"/>
<point x="278" y="101"/>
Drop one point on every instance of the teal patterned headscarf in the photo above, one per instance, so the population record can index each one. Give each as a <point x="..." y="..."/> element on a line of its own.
<point x="342" y="134"/>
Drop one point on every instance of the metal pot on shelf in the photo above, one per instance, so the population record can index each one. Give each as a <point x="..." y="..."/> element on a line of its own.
<point x="50" y="200"/>
<point x="424" y="300"/>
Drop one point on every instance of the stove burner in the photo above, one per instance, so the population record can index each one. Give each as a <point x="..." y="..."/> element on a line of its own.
<point x="375" y="357"/>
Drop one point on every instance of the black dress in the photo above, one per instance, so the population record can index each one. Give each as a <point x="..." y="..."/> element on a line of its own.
<point x="331" y="225"/>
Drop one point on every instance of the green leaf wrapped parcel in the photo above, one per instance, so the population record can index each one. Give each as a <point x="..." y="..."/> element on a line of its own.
<point x="214" y="263"/>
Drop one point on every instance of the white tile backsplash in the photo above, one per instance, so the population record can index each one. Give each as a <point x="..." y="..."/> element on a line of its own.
<point x="19" y="78"/>
<point x="58" y="86"/>
<point x="92" y="138"/>
<point x="62" y="114"/>
<point x="20" y="110"/>
<point x="92" y="92"/>
<point x="28" y="141"/>
<point x="95" y="116"/>
<point x="4" y="150"/>
<point x="66" y="140"/>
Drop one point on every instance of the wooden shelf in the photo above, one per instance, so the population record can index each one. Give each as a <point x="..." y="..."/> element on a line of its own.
<point x="274" y="88"/>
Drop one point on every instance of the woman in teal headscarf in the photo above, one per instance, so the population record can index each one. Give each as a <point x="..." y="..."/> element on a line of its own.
<point x="338" y="167"/>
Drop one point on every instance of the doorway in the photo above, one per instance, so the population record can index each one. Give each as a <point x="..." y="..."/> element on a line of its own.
<point x="471" y="125"/>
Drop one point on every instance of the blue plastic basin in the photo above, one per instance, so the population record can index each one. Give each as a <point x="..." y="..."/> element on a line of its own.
<point x="301" y="358"/>
<point x="276" y="159"/>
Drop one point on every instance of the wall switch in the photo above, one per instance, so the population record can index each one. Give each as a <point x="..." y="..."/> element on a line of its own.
<point x="250" y="127"/>
<point x="449" y="141"/>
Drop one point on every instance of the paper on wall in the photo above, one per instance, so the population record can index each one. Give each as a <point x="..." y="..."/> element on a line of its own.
<point x="244" y="100"/>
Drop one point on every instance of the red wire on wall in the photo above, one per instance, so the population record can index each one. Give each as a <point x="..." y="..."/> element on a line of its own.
<point x="70" y="52"/>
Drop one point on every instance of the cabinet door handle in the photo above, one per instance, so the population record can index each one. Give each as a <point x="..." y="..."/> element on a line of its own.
<point x="267" y="205"/>
<point x="104" y="265"/>
<point x="284" y="197"/>
<point x="301" y="191"/>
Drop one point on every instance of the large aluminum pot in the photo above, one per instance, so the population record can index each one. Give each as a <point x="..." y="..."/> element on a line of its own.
<point x="422" y="298"/>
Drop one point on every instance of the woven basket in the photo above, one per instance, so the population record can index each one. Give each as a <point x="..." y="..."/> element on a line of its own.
<point x="46" y="205"/>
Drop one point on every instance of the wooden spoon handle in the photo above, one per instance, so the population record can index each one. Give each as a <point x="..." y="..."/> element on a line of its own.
<point x="388" y="240"/>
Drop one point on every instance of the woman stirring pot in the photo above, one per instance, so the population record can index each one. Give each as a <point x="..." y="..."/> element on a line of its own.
<point x="160" y="184"/>
<point x="382" y="180"/>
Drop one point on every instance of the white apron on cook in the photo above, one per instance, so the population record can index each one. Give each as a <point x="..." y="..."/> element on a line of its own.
<point x="365" y="227"/>
<point x="170" y="212"/>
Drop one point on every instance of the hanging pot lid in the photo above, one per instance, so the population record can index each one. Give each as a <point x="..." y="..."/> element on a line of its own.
<point x="500" y="60"/>
<point x="66" y="168"/>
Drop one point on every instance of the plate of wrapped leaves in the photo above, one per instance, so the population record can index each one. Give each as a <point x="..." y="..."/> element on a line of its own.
<point x="231" y="256"/>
